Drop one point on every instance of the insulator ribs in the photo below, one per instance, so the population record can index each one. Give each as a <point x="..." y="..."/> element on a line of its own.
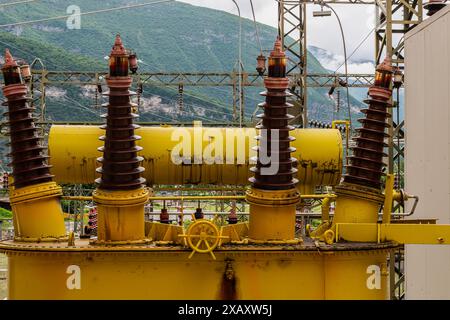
<point x="29" y="165"/>
<point x="120" y="163"/>
<point x="275" y="117"/>
<point x="366" y="163"/>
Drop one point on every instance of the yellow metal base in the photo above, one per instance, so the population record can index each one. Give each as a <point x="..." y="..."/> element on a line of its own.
<point x="272" y="214"/>
<point x="153" y="272"/>
<point x="120" y="217"/>
<point x="37" y="213"/>
<point x="235" y="233"/>
<point x="405" y="233"/>
<point x="356" y="204"/>
<point x="163" y="233"/>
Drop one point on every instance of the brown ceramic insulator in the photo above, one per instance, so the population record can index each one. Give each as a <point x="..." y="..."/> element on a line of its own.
<point x="121" y="168"/>
<point x="198" y="213"/>
<point x="232" y="217"/>
<point x="164" y="216"/>
<point x="29" y="165"/>
<point x="275" y="119"/>
<point x="366" y="163"/>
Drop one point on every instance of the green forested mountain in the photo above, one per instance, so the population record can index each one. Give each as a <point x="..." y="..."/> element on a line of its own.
<point x="167" y="37"/>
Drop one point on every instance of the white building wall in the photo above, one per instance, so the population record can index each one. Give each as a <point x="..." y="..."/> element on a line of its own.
<point x="427" y="158"/>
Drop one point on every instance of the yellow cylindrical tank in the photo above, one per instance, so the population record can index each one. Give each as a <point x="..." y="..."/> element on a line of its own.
<point x="73" y="151"/>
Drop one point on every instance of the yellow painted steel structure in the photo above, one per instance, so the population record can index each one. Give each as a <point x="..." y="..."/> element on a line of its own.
<point x="345" y="258"/>
<point x="166" y="272"/>
<point x="37" y="213"/>
<point x="272" y="214"/>
<point x="73" y="151"/>
<point x="121" y="216"/>
<point x="357" y="204"/>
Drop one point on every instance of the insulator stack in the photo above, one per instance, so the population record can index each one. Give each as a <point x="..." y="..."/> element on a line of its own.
<point x="275" y="119"/>
<point x="5" y="180"/>
<point x="92" y="223"/>
<point x="28" y="164"/>
<point x="198" y="213"/>
<point x="366" y="163"/>
<point x="232" y="217"/>
<point x="121" y="168"/>
<point x="164" y="216"/>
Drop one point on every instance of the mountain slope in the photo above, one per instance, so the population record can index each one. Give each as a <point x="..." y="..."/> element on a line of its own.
<point x="167" y="37"/>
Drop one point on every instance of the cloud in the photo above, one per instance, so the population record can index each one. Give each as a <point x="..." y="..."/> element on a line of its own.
<point x="357" y="21"/>
<point x="55" y="93"/>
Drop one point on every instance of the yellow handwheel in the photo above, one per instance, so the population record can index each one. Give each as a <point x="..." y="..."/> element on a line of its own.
<point x="329" y="236"/>
<point x="203" y="237"/>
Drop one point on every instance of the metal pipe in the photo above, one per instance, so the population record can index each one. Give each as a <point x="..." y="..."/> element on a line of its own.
<point x="212" y="197"/>
<point x="74" y="152"/>
<point x="77" y="198"/>
<point x="347" y="134"/>
<point x="196" y="198"/>
<point x="241" y="111"/>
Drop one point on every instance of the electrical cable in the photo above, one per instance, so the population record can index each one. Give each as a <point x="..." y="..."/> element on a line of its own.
<point x="323" y="4"/>
<point x="16" y="2"/>
<point x="83" y="13"/>
<point x="357" y="48"/>
<point x="256" y="27"/>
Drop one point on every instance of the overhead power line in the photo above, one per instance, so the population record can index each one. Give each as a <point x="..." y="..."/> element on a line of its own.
<point x="84" y="13"/>
<point x="256" y="27"/>
<point x="16" y="2"/>
<point x="357" y="48"/>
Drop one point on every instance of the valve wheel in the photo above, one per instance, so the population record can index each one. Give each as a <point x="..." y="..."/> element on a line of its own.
<point x="329" y="236"/>
<point x="203" y="236"/>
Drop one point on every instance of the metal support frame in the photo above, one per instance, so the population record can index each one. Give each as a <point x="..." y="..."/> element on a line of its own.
<point x="394" y="18"/>
<point x="292" y="25"/>
<point x="37" y="89"/>
<point x="43" y="78"/>
<point x="194" y="79"/>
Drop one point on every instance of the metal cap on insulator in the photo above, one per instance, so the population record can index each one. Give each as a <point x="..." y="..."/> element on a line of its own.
<point x="11" y="70"/>
<point x="118" y="59"/>
<point x="133" y="61"/>
<point x="261" y="64"/>
<point x="366" y="163"/>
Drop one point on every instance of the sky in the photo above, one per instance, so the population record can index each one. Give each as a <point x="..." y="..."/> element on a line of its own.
<point x="323" y="32"/>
